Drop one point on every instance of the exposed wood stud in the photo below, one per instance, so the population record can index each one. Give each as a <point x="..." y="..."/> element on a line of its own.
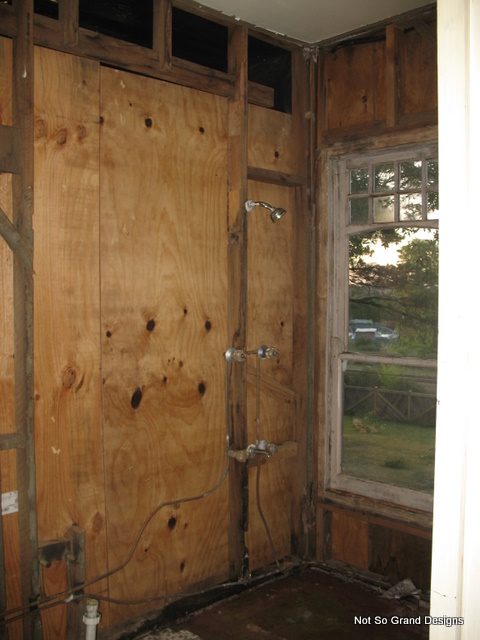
<point x="11" y="441"/>
<point x="303" y="513"/>
<point x="68" y="18"/>
<point x="237" y="299"/>
<point x="22" y="190"/>
<point x="162" y="32"/>
<point x="15" y="241"/>
<point x="9" y="162"/>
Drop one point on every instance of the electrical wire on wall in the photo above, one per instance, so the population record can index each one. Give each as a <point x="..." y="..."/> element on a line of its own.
<point x="74" y="592"/>
<point x="260" y="462"/>
<point x="78" y="592"/>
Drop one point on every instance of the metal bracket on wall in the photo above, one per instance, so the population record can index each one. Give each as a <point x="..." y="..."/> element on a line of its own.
<point x="71" y="550"/>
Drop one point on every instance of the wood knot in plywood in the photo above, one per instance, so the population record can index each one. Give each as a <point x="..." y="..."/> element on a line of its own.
<point x="61" y="137"/>
<point x="81" y="132"/>
<point x="69" y="376"/>
<point x="98" y="522"/>
<point x="136" y="398"/>
<point x="39" y="129"/>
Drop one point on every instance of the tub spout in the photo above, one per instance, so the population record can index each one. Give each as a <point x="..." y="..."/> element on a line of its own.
<point x="262" y="448"/>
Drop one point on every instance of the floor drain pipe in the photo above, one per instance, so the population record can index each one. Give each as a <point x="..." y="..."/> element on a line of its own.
<point x="91" y="619"/>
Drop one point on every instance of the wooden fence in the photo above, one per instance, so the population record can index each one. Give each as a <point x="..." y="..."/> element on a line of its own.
<point x="402" y="406"/>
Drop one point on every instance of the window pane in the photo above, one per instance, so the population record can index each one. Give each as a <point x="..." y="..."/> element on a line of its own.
<point x="432" y="205"/>
<point x="359" y="180"/>
<point x="432" y="173"/>
<point x="393" y="290"/>
<point x="411" y="175"/>
<point x="411" y="206"/>
<point x="359" y="210"/>
<point x="384" y="209"/>
<point x="385" y="177"/>
<point x="389" y="424"/>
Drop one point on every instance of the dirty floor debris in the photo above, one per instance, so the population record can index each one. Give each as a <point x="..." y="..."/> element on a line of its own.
<point x="304" y="606"/>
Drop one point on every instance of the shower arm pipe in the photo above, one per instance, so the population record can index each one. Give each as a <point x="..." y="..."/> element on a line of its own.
<point x="275" y="212"/>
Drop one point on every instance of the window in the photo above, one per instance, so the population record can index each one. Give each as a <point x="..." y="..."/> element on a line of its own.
<point x="384" y="325"/>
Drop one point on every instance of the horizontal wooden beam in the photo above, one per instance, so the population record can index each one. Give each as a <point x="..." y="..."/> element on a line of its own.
<point x="280" y="178"/>
<point x="11" y="441"/>
<point x="8" y="150"/>
<point x="270" y="386"/>
<point x="8" y="21"/>
<point x="261" y="95"/>
<point x="377" y="520"/>
<point x="425" y="122"/>
<point x="11" y="236"/>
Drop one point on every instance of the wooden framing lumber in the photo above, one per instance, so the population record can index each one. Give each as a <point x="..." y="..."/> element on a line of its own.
<point x="162" y="32"/>
<point x="8" y="150"/>
<point x="303" y="517"/>
<point x="237" y="299"/>
<point x="68" y="18"/>
<point x="22" y="190"/>
<point x="15" y="241"/>
<point x="270" y="176"/>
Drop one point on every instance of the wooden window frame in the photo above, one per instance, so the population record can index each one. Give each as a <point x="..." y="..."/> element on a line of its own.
<point x="338" y="355"/>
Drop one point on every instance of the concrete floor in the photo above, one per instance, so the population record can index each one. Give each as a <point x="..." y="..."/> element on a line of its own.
<point x="311" y="604"/>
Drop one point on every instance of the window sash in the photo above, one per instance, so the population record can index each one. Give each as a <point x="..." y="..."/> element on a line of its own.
<point x="339" y="355"/>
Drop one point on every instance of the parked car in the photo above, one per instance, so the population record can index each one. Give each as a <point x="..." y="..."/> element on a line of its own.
<point x="370" y="330"/>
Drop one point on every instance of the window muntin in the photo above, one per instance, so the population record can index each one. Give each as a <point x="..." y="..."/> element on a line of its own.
<point x="402" y="191"/>
<point x="384" y="330"/>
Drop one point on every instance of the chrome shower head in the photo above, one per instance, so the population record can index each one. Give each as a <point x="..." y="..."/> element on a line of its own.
<point x="275" y="212"/>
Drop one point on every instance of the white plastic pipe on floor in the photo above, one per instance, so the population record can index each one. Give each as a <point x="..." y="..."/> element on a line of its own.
<point x="91" y="619"/>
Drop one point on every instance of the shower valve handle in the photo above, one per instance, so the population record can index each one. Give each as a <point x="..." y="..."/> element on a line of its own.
<point x="235" y="355"/>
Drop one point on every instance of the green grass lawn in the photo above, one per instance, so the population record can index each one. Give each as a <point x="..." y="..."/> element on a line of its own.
<point x="389" y="452"/>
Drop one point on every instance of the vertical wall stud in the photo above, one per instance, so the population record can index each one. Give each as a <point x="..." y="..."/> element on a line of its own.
<point x="303" y="511"/>
<point x="237" y="299"/>
<point x="162" y="32"/>
<point x="68" y="16"/>
<point x="22" y="101"/>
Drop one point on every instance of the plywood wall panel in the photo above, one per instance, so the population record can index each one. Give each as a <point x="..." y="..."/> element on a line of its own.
<point x="11" y="540"/>
<point x="69" y="439"/>
<point x="164" y="331"/>
<point x="270" y="140"/>
<point x="7" y="373"/>
<point x="7" y="383"/>
<point x="270" y="322"/>
<point x="350" y="540"/>
<point x="275" y="490"/>
<point x="270" y="278"/>
<point x="8" y="463"/>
